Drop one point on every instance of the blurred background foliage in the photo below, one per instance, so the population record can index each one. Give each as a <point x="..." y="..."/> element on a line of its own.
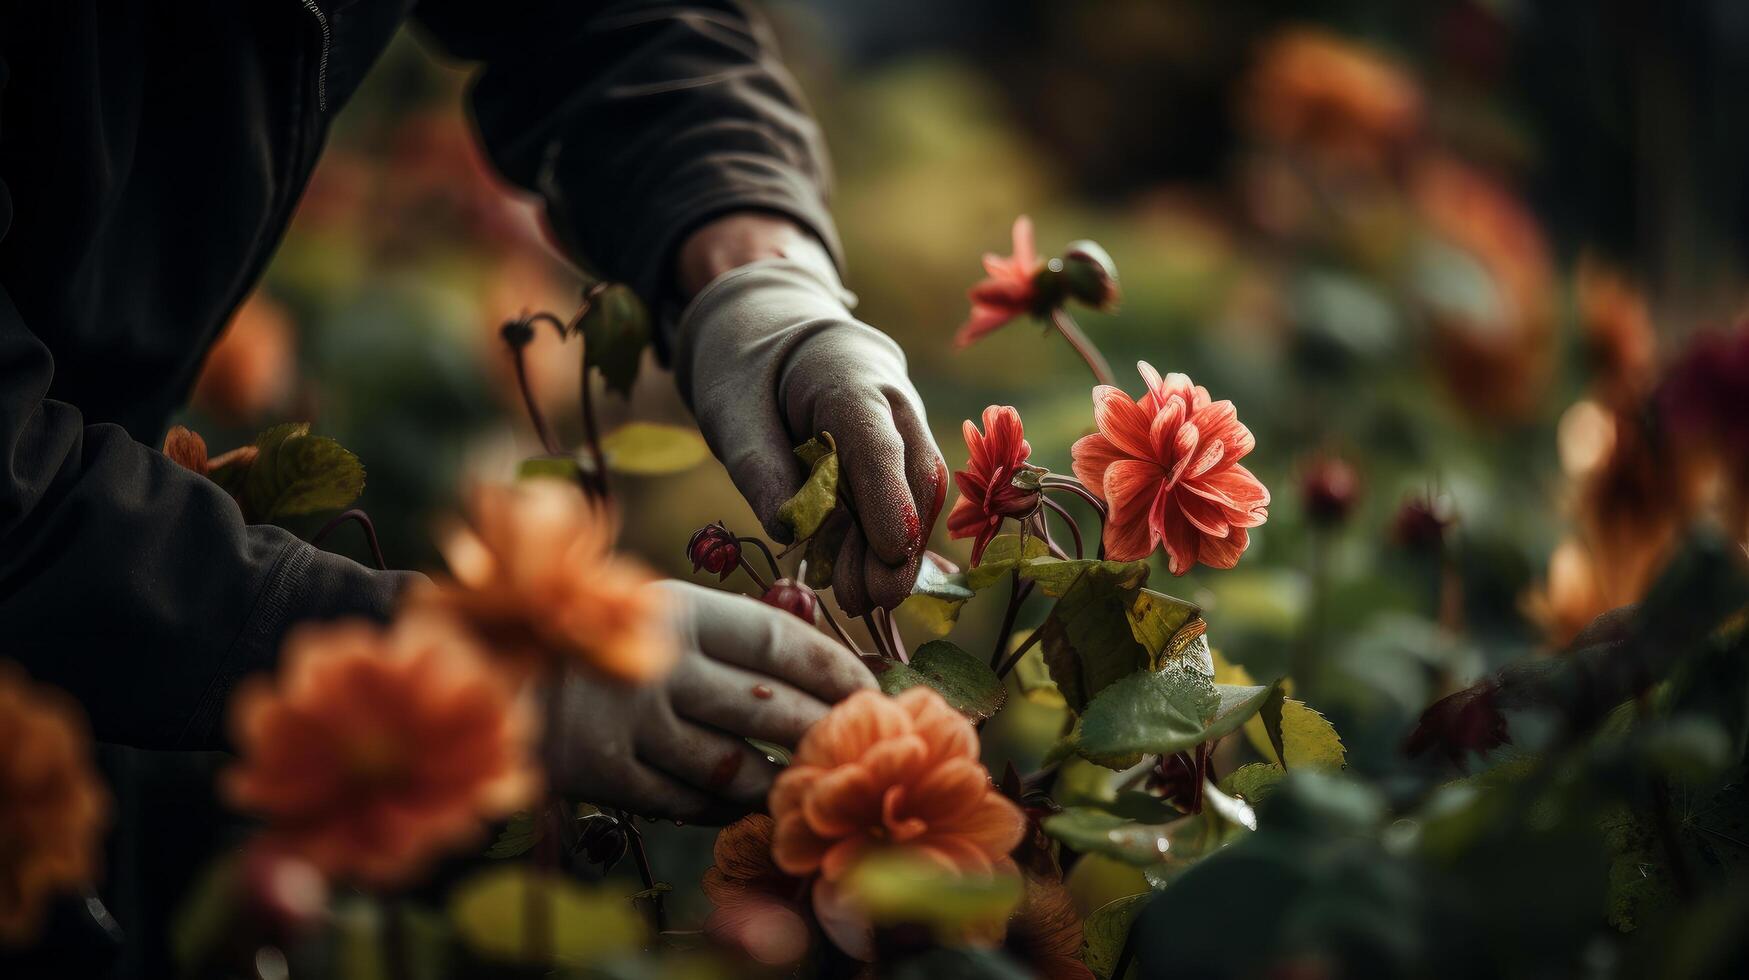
<point x="1412" y="237"/>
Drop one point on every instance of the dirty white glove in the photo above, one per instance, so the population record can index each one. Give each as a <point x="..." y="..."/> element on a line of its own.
<point x="769" y="355"/>
<point x="673" y="748"/>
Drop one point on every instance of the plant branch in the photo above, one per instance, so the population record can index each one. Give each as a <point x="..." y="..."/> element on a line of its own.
<point x="1074" y="527"/>
<point x="1084" y="346"/>
<point x="837" y="627"/>
<point x="770" y="559"/>
<point x="1017" y="592"/>
<point x="881" y="642"/>
<point x="370" y="533"/>
<point x="1014" y="658"/>
<point x="753" y="573"/>
<point x="641" y="858"/>
<point x="517" y="334"/>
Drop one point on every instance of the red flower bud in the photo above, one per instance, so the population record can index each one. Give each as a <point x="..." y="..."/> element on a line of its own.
<point x="1421" y="523"/>
<point x="1457" y="725"/>
<point x="714" y="548"/>
<point x="1329" y="488"/>
<point x="1088" y="275"/>
<point x="792" y="597"/>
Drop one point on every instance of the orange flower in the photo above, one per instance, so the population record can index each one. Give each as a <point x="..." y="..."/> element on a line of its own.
<point x="187" y="449"/>
<point x="1618" y="332"/>
<point x="1494" y="337"/>
<point x="52" y="807"/>
<point x="250" y="370"/>
<point x="379" y="749"/>
<point x="1010" y="290"/>
<point x="535" y="578"/>
<point x="881" y="773"/>
<point x="1337" y="99"/>
<point x="758" y="909"/>
<point x="1168" y="468"/>
<point x="988" y="493"/>
<point x="1045" y="934"/>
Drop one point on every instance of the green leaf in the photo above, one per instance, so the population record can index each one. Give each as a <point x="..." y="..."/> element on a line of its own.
<point x="805" y="512"/>
<point x="1170" y="629"/>
<point x="615" y="332"/>
<point x="1104" y="932"/>
<point x="964" y="681"/>
<point x="895" y="887"/>
<point x="1093" y="831"/>
<point x="588" y="925"/>
<point x="936" y="598"/>
<point x="653" y="449"/>
<point x="1056" y="578"/>
<point x="1033" y="677"/>
<point x="1307" y="738"/>
<point x="1228" y="808"/>
<point x="297" y="473"/>
<point x="1252" y="782"/>
<point x="518" y="836"/>
<point x="1087" y="639"/>
<point x="1239" y="703"/>
<point x="1148" y="713"/>
<point x="1002" y="555"/>
<point x="821" y="553"/>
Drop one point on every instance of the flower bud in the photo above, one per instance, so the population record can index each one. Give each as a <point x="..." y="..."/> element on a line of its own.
<point x="601" y="840"/>
<point x="284" y="892"/>
<point x="1088" y="275"/>
<point x="1020" y="496"/>
<point x="1329" y="487"/>
<point x="1421" y="523"/>
<point x="792" y="597"/>
<point x="714" y="548"/>
<point x="1461" y="724"/>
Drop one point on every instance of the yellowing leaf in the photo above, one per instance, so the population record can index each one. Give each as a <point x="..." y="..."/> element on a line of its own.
<point x="653" y="449"/>
<point x="587" y="925"/>
<point x="805" y="512"/>
<point x="295" y="473"/>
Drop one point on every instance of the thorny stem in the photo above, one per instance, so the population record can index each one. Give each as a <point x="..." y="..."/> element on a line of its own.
<point x="370" y="533"/>
<point x="837" y="628"/>
<point x="770" y="559"/>
<point x="635" y="838"/>
<point x="1071" y="332"/>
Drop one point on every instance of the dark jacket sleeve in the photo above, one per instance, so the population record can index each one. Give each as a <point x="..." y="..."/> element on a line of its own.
<point x="638" y="121"/>
<point x="129" y="581"/>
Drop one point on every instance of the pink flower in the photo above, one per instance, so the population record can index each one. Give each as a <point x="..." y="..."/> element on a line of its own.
<point x="987" y="490"/>
<point x="1168" y="468"/>
<point x="1008" y="292"/>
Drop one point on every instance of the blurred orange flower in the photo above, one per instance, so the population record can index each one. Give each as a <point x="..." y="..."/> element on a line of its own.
<point x="377" y="750"/>
<point x="878" y="774"/>
<point x="987" y="491"/>
<point x="1008" y="292"/>
<point x="536" y="578"/>
<point x="758" y="909"/>
<point x="1618" y="332"/>
<point x="251" y="369"/>
<point x="1493" y="324"/>
<point x="1168" y="467"/>
<point x="1337" y="99"/>
<point x="52" y="807"/>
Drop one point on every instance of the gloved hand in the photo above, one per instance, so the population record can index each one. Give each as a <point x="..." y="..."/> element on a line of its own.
<point x="673" y="748"/>
<point x="769" y="355"/>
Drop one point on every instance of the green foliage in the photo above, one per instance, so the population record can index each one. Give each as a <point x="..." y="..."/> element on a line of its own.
<point x="490" y="912"/>
<point x="964" y="681"/>
<point x="296" y="473"/>
<point x="1003" y="554"/>
<point x="519" y="836"/>
<point x="1306" y="736"/>
<point x="1104" y="931"/>
<point x="567" y="468"/>
<point x="1096" y="831"/>
<point x="653" y="449"/>
<point x="896" y="888"/>
<point x="804" y="513"/>
<point x="936" y="598"/>
<point x="616" y="329"/>
<point x="1147" y="712"/>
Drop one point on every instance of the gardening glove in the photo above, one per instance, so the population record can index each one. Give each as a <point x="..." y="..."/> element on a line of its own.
<point x="769" y="355"/>
<point x="674" y="747"/>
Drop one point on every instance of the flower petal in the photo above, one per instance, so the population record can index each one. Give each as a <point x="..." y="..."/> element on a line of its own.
<point x="1090" y="457"/>
<point x="1130" y="487"/>
<point x="1122" y="421"/>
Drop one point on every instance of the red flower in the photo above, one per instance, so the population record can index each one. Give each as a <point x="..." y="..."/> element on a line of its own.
<point x="1168" y="468"/>
<point x="714" y="548"/>
<point x="1008" y="292"/>
<point x="987" y="490"/>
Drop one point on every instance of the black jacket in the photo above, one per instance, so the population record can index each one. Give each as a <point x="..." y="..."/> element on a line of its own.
<point x="150" y="157"/>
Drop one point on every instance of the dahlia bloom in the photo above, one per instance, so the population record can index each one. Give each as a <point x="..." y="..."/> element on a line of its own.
<point x="1009" y="291"/>
<point x="1168" y="468"/>
<point x="52" y="806"/>
<point x="1335" y="98"/>
<point x="536" y="576"/>
<point x="878" y="774"/>
<point x="377" y="750"/>
<point x="987" y="490"/>
<point x="757" y="908"/>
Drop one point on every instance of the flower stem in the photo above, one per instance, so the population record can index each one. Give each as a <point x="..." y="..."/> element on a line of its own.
<point x="1074" y="528"/>
<point x="641" y="858"/>
<point x="592" y="437"/>
<point x="518" y="342"/>
<point x="753" y="573"/>
<point x="1074" y="486"/>
<point x="1084" y="346"/>
<point x="1014" y="658"/>
<point x="370" y="533"/>
<point x="895" y="639"/>
<point x="843" y="636"/>
<point x="770" y="559"/>
<point x="1017" y="592"/>
<point x="883" y="644"/>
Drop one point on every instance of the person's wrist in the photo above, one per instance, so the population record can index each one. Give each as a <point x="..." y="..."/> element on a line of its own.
<point x="740" y="238"/>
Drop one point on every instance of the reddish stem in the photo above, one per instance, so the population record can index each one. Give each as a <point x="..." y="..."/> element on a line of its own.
<point x="1083" y="345"/>
<point x="370" y="533"/>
